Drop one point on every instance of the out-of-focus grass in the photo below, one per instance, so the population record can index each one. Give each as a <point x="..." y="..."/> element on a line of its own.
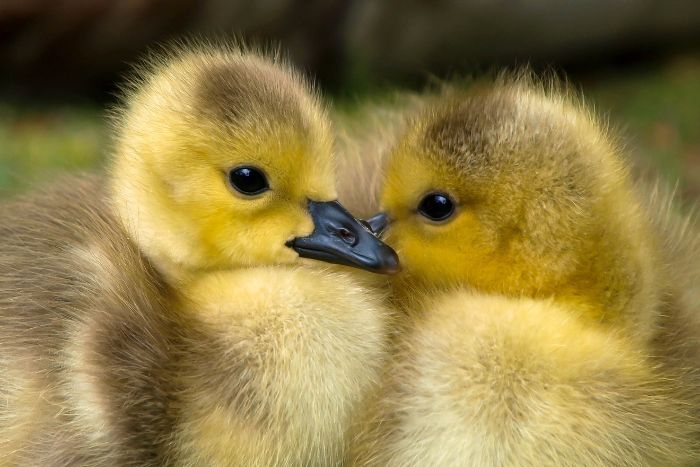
<point x="36" y="143"/>
<point x="658" y="110"/>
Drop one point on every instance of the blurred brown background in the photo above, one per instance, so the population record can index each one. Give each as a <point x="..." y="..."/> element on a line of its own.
<point x="637" y="60"/>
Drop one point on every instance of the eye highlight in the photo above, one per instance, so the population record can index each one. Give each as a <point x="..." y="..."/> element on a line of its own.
<point x="436" y="206"/>
<point x="248" y="180"/>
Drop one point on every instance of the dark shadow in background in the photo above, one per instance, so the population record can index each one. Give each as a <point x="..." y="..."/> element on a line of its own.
<point x="69" y="48"/>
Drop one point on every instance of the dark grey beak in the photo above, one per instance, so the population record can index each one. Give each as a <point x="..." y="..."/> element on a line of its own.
<point x="341" y="239"/>
<point x="378" y="223"/>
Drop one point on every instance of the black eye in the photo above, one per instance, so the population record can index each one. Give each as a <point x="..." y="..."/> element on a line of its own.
<point x="248" y="180"/>
<point x="436" y="206"/>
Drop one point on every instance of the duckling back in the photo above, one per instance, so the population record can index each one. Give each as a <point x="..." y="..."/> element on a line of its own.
<point x="83" y="336"/>
<point x="677" y="338"/>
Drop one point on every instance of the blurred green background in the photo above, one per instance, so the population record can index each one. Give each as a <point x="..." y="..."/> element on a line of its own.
<point x="637" y="61"/>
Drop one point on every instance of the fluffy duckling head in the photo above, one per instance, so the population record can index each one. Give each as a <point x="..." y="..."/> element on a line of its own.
<point x="512" y="188"/>
<point x="223" y="159"/>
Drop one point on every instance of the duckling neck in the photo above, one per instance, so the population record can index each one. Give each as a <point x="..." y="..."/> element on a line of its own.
<point x="611" y="281"/>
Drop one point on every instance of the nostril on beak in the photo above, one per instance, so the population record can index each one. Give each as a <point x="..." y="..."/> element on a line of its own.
<point x="347" y="236"/>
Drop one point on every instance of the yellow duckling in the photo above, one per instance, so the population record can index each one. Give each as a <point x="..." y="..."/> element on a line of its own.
<point x="550" y="320"/>
<point x="163" y="316"/>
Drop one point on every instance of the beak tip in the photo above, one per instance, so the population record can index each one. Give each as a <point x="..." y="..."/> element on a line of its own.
<point x="391" y="264"/>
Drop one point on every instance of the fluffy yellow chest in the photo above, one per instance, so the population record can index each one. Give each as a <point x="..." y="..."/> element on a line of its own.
<point x="290" y="353"/>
